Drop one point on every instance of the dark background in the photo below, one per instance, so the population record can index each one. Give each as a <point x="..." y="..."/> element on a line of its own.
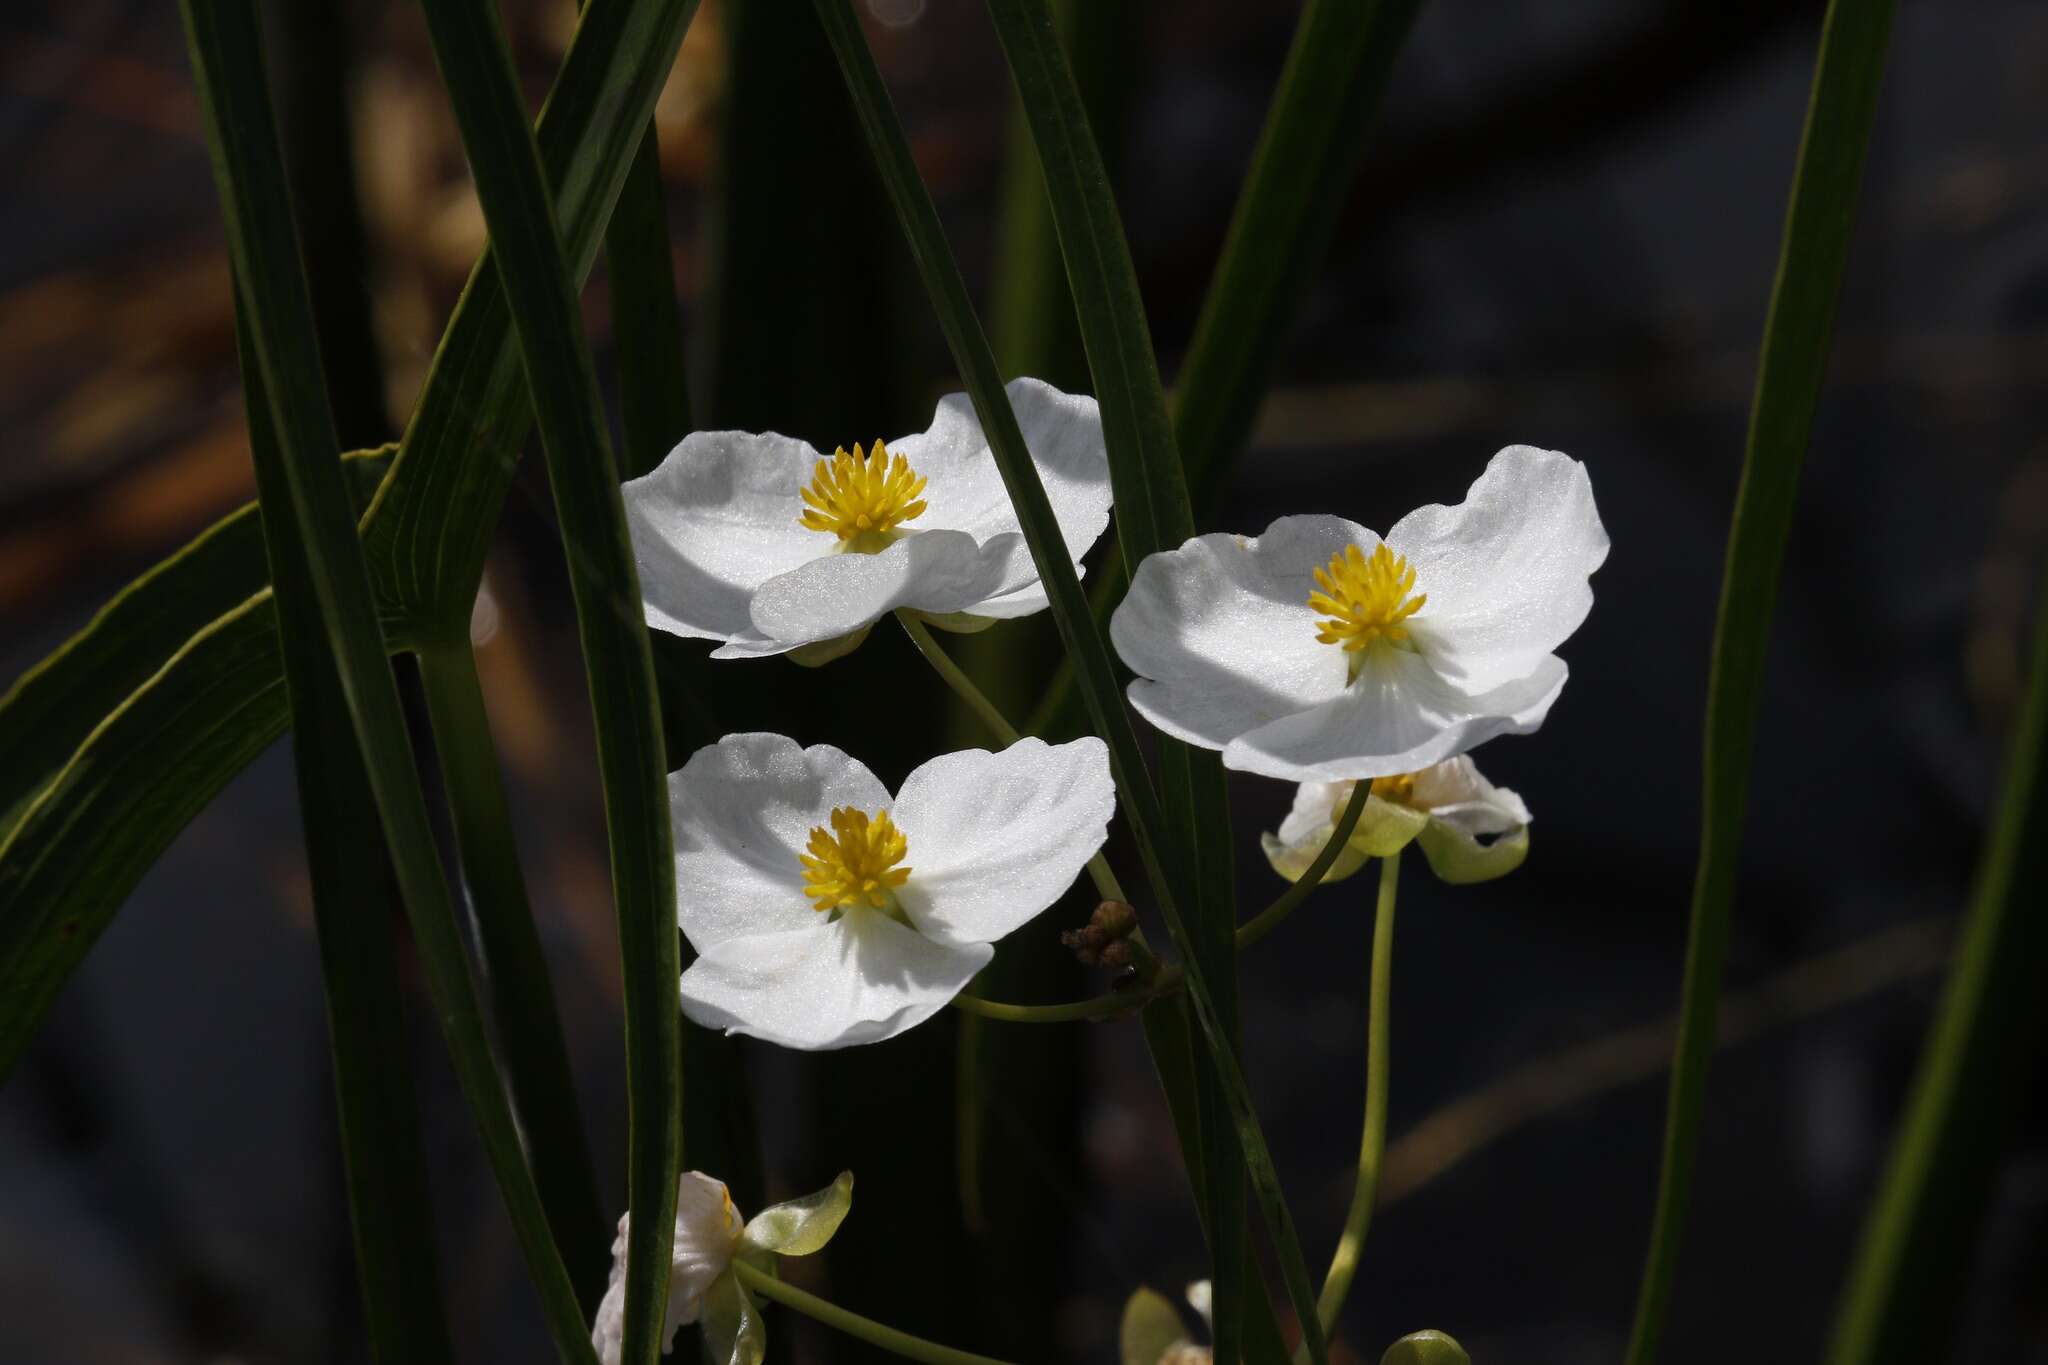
<point x="1562" y="232"/>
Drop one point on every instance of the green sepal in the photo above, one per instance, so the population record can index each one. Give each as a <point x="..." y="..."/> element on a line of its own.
<point x="1460" y="859"/>
<point x="825" y="651"/>
<point x="1384" y="829"/>
<point x="1426" y="1348"/>
<point x="800" y="1226"/>
<point x="1151" y="1328"/>
<point x="731" y="1325"/>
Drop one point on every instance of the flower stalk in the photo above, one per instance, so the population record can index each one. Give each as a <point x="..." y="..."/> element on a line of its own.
<point x="1373" y="1139"/>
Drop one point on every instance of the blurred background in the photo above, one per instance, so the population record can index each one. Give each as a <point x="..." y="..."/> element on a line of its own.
<point x="1562" y="232"/>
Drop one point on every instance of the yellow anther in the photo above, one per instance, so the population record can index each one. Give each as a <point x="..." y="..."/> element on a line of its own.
<point x="862" y="499"/>
<point x="1365" y="599"/>
<point x="1400" y="789"/>
<point x="856" y="862"/>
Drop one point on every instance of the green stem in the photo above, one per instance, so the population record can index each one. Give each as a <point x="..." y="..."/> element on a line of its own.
<point x="1263" y="923"/>
<point x="957" y="679"/>
<point x="1106" y="884"/>
<point x="853" y="1324"/>
<point x="1373" y="1141"/>
<point x="1170" y="979"/>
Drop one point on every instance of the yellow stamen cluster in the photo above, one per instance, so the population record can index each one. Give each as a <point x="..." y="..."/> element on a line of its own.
<point x="857" y="862"/>
<point x="1365" y="599"/>
<point x="1399" y="789"/>
<point x="862" y="499"/>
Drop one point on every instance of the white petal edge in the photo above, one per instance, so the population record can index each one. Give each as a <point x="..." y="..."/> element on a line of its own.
<point x="1398" y="718"/>
<point x="742" y="810"/>
<point x="965" y="492"/>
<point x="1221" y="635"/>
<point x="996" y="838"/>
<point x="1505" y="571"/>
<point x="712" y="522"/>
<point x="858" y="979"/>
<point x="934" y="571"/>
<point x="1456" y="793"/>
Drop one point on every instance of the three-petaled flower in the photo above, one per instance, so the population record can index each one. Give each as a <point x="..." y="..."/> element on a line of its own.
<point x="710" y="1235"/>
<point x="826" y="912"/>
<point x="765" y="545"/>
<point x="1320" y="652"/>
<point x="1448" y="809"/>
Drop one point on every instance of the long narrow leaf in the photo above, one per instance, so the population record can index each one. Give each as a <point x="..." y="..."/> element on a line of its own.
<point x="476" y="65"/>
<point x="48" y="712"/>
<point x="1336" y="74"/>
<point x="389" y="1214"/>
<point x="1912" y="1268"/>
<point x="515" y="967"/>
<point x="227" y="57"/>
<point x="647" y="327"/>
<point x="1083" y="640"/>
<point x="128" y="754"/>
<point x="1790" y="371"/>
<point x="456" y="461"/>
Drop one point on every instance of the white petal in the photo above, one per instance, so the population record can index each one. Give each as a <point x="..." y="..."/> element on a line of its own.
<point x="965" y="492"/>
<point x="707" y="1232"/>
<point x="1221" y="635"/>
<point x="858" y="979"/>
<point x="708" y="1229"/>
<point x="713" y="522"/>
<point x="743" y="809"/>
<point x="1316" y="807"/>
<point x="1398" y="717"/>
<point x="995" y="838"/>
<point x="1458" y="794"/>
<point x="934" y="571"/>
<point x="1505" y="571"/>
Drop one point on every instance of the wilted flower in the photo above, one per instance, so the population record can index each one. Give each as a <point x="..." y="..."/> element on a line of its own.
<point x="1319" y="652"/>
<point x="710" y="1235"/>
<point x="764" y="544"/>
<point x="826" y="913"/>
<point x="1447" y="808"/>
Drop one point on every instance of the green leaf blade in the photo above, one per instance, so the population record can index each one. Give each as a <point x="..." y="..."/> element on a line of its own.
<point x="1790" y="370"/>
<point x="476" y="65"/>
<point x="349" y="866"/>
<point x="227" y="57"/>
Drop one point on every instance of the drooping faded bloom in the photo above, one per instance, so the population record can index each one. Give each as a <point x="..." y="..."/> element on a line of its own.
<point x="1468" y="829"/>
<point x="1320" y="652"/>
<point x="826" y="912"/>
<point x="710" y="1235"/>
<point x="764" y="544"/>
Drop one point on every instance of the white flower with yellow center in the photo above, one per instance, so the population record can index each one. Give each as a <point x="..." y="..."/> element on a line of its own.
<point x="1469" y="829"/>
<point x="1320" y="652"/>
<point x="709" y="1236"/>
<point x="826" y="912"/>
<point x="766" y="545"/>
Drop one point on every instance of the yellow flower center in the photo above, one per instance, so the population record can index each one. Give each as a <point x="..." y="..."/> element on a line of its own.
<point x="862" y="499"/>
<point x="1365" y="599"/>
<point x="857" y="862"/>
<point x="1400" y="789"/>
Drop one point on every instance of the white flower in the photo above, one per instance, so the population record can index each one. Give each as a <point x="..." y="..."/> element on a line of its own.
<point x="1319" y="652"/>
<point x="826" y="913"/>
<point x="1447" y="808"/>
<point x="708" y="1229"/>
<point x="763" y="543"/>
<point x="709" y="1237"/>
